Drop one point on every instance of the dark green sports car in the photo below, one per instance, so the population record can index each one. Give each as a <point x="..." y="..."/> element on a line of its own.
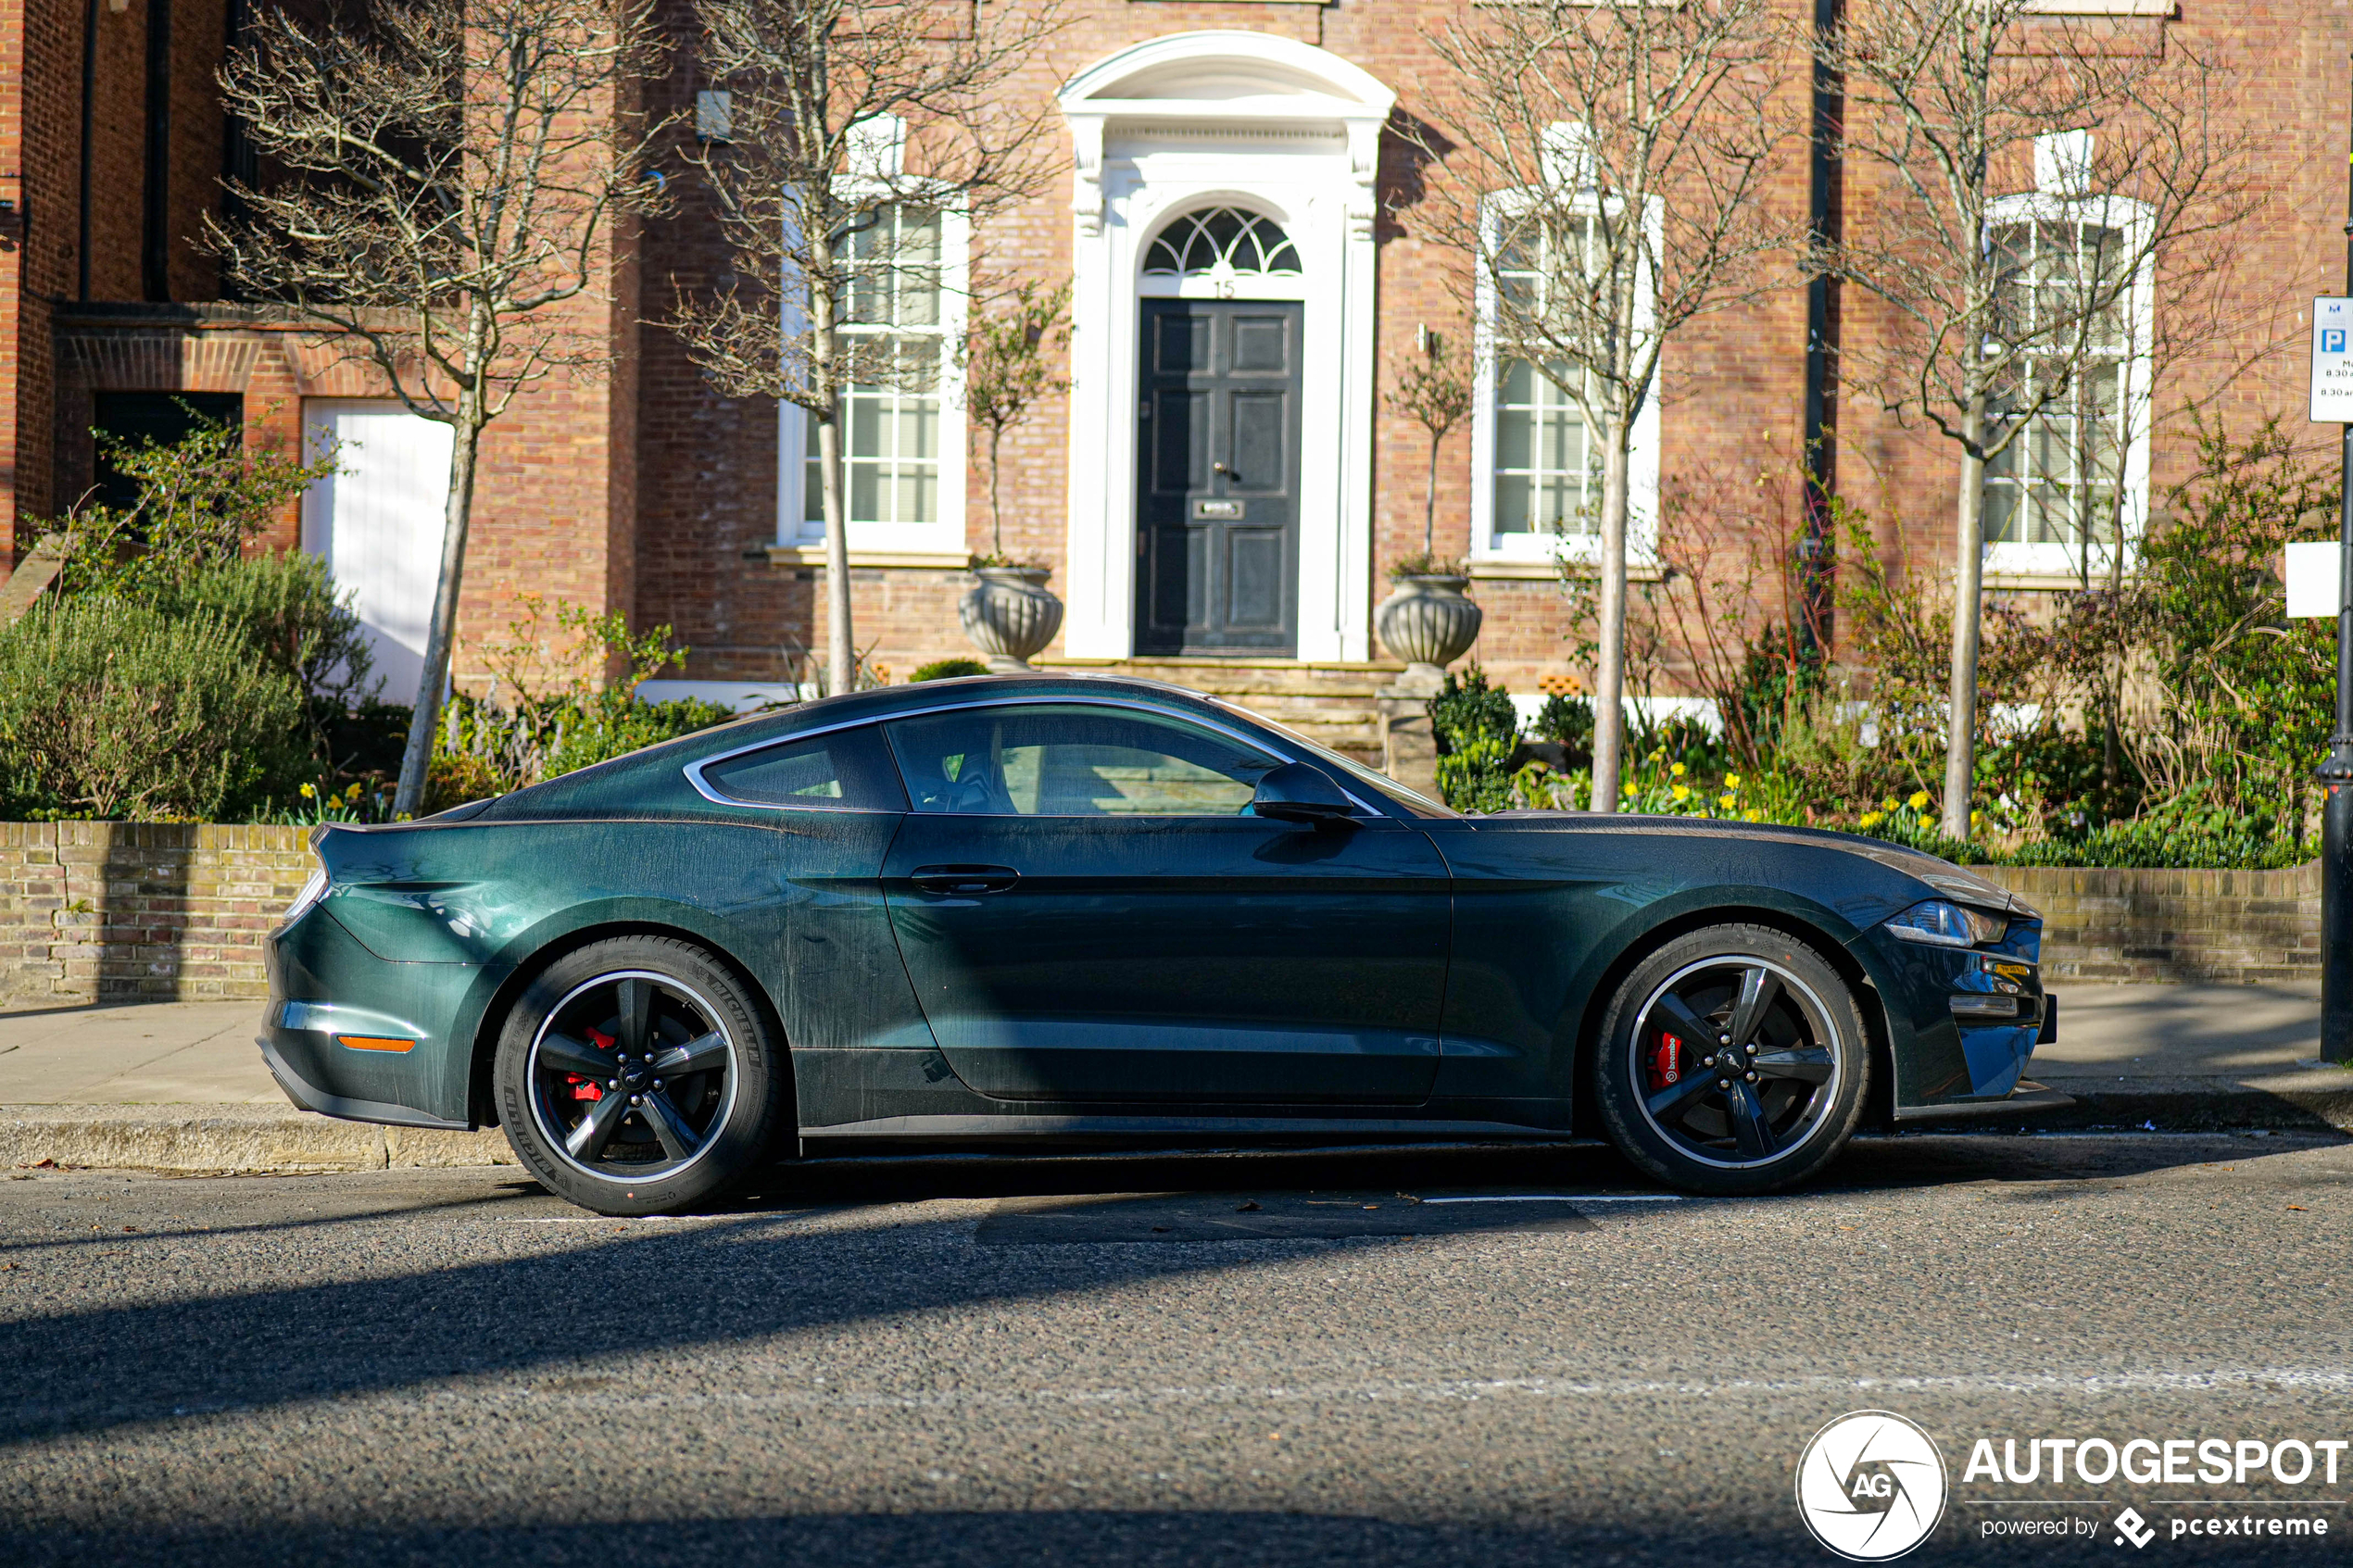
<point x="1105" y="909"/>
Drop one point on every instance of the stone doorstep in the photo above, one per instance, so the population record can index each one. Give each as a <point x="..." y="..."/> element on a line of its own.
<point x="230" y="1139"/>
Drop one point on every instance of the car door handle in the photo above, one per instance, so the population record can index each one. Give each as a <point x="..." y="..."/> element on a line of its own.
<point x="964" y="880"/>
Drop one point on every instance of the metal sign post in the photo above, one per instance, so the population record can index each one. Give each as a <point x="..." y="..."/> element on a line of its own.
<point x="2333" y="403"/>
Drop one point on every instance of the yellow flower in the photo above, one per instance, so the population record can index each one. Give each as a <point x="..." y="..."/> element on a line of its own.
<point x="1677" y="770"/>
<point x="1975" y="817"/>
<point x="1659" y="755"/>
<point x="309" y="791"/>
<point x="1918" y="801"/>
<point x="352" y="794"/>
<point x="1754" y="816"/>
<point x="1727" y="800"/>
<point x="1732" y="780"/>
<point x="1683" y="791"/>
<point x="1888" y="804"/>
<point x="1873" y="819"/>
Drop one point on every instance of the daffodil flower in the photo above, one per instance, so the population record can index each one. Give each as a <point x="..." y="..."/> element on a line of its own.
<point x="1873" y="819"/>
<point x="1727" y="800"/>
<point x="1732" y="780"/>
<point x="1683" y="791"/>
<point x="310" y="792"/>
<point x="1918" y="801"/>
<point x="1677" y="770"/>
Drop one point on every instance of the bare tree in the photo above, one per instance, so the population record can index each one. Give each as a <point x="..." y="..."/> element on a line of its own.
<point x="847" y="128"/>
<point x="1607" y="169"/>
<point x="449" y="175"/>
<point x="2029" y="175"/>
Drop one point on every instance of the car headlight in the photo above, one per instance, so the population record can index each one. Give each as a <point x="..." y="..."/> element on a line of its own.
<point x="1944" y="924"/>
<point x="312" y="891"/>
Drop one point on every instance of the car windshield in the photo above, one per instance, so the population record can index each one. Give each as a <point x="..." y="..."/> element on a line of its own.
<point x="1411" y="801"/>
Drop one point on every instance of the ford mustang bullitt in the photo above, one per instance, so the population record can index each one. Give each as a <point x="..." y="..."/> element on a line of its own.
<point x="1064" y="908"/>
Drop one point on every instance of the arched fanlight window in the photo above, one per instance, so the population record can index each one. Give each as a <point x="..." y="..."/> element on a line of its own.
<point x="1222" y="242"/>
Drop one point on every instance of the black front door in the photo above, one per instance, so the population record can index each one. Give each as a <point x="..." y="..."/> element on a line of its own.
<point x="1217" y="477"/>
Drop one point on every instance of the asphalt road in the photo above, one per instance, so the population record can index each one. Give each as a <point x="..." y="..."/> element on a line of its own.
<point x="1248" y="1358"/>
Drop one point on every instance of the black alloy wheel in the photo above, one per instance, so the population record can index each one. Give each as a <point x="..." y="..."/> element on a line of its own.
<point x="636" y="1077"/>
<point x="1734" y="1060"/>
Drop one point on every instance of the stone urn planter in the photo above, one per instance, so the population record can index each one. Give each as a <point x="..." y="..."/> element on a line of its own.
<point x="1010" y="615"/>
<point x="1428" y="623"/>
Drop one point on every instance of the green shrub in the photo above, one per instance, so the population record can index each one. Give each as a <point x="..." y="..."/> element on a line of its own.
<point x="289" y="608"/>
<point x="1474" y="727"/>
<point x="1568" y="721"/>
<point x="948" y="670"/>
<point x="109" y="709"/>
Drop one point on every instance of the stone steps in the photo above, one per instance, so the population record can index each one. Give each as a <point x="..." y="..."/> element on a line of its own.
<point x="1333" y="705"/>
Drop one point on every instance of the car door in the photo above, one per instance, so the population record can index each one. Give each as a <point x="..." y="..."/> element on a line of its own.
<point x="1091" y="913"/>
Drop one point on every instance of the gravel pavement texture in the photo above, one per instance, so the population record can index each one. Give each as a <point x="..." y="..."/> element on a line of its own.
<point x="1241" y="1359"/>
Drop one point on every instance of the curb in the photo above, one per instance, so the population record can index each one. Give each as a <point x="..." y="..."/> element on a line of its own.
<point x="267" y="1140"/>
<point x="230" y="1140"/>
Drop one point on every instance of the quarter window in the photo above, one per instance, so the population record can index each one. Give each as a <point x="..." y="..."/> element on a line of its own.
<point x="1070" y="760"/>
<point x="844" y="771"/>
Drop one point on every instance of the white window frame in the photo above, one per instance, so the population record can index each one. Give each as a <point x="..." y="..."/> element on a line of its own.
<point x="1642" y="478"/>
<point x="795" y="433"/>
<point x="2045" y="561"/>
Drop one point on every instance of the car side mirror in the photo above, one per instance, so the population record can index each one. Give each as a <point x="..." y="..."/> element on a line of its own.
<point x="1297" y="793"/>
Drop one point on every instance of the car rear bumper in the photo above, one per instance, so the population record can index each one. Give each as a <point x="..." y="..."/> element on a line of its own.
<point x="309" y="1096"/>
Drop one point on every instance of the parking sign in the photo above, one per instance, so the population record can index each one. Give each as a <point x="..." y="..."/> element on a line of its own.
<point x="2332" y="362"/>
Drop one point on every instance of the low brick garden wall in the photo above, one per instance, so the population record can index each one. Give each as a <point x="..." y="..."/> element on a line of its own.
<point x="148" y="911"/>
<point x="140" y="911"/>
<point x="2236" y="927"/>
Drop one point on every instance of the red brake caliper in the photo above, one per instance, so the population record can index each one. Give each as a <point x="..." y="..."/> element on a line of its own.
<point x="1665" y="1062"/>
<point x="587" y="1088"/>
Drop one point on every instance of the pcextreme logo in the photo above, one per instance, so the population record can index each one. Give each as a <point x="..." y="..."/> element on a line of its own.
<point x="1872" y="1486"/>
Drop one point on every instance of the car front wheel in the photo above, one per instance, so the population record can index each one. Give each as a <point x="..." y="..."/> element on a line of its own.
<point x="636" y="1076"/>
<point x="1732" y="1061"/>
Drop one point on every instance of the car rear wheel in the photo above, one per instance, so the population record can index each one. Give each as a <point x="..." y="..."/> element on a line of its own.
<point x="1733" y="1059"/>
<point x="636" y="1076"/>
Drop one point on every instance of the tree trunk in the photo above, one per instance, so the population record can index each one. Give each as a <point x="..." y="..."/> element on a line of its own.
<point x="1609" y="664"/>
<point x="995" y="512"/>
<point x="1969" y="565"/>
<point x="841" y="657"/>
<point x="1430" y="502"/>
<point x="416" y="761"/>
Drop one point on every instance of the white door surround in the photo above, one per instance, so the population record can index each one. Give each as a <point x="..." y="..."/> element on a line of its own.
<point x="1273" y="126"/>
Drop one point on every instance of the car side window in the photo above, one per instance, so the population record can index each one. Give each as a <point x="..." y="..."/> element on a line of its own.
<point x="1071" y="759"/>
<point x="845" y="771"/>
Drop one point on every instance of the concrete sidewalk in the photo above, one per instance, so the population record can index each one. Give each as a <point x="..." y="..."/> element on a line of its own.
<point x="181" y="1086"/>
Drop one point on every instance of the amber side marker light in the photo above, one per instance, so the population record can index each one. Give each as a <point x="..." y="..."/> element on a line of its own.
<point x="374" y="1043"/>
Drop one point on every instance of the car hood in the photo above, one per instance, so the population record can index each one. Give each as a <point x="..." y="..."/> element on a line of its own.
<point x="1939" y="878"/>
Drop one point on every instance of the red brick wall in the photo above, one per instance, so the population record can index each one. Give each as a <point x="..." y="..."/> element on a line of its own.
<point x="648" y="491"/>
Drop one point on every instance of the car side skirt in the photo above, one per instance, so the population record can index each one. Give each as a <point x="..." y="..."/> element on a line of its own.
<point x="1319" y="1128"/>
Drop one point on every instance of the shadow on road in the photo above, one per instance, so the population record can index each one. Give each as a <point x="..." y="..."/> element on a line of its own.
<point x="784" y="1261"/>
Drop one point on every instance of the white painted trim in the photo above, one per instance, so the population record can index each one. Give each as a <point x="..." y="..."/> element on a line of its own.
<point x="2044" y="561"/>
<point x="1643" y="469"/>
<point x="1281" y="128"/>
